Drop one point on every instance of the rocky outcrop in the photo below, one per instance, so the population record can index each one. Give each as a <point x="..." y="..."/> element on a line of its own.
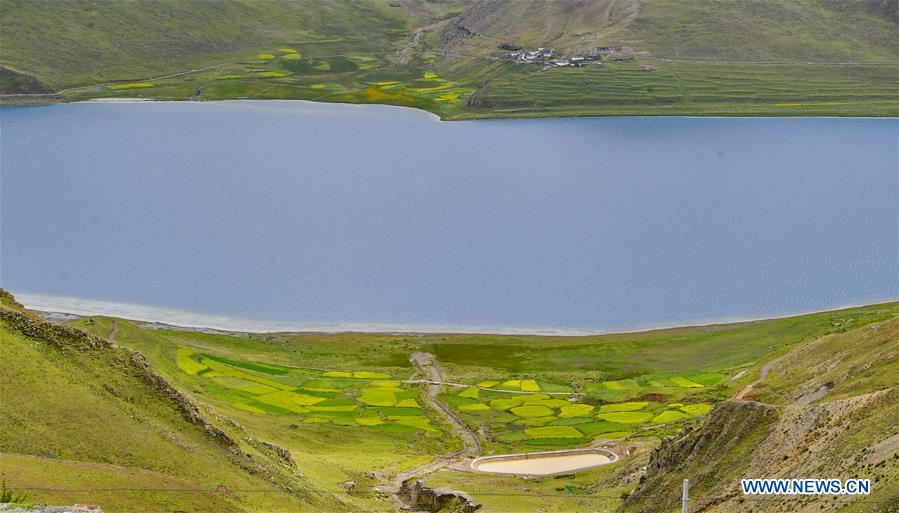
<point x="829" y="411"/>
<point x="706" y="454"/>
<point x="65" y="338"/>
<point x="189" y="409"/>
<point x="722" y="430"/>
<point x="61" y="337"/>
<point x="9" y="301"/>
<point x="12" y="508"/>
<point x="435" y="500"/>
<point x="18" y="82"/>
<point x="851" y="437"/>
<point x="118" y="374"/>
<point x="282" y="453"/>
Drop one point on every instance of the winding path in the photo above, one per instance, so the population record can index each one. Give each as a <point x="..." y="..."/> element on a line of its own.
<point x="762" y="375"/>
<point x="114" y="331"/>
<point x="463" y="385"/>
<point x="427" y="365"/>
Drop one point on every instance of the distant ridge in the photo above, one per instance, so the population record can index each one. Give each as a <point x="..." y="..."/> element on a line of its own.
<point x="670" y="56"/>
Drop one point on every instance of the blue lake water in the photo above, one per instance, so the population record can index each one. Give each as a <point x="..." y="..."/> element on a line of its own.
<point x="309" y="213"/>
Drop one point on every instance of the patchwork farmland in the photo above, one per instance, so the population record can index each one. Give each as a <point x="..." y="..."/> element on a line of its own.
<point x="347" y="414"/>
<point x="514" y="413"/>
<point x="683" y="88"/>
<point x="516" y="422"/>
<point x="771" y="62"/>
<point x="288" y="73"/>
<point x="348" y="398"/>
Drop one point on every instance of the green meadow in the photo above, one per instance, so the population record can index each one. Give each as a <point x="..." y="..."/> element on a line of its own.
<point x="686" y="88"/>
<point x="348" y="407"/>
<point x="83" y="420"/>
<point x="344" y="419"/>
<point x="286" y="73"/>
<point x="581" y="414"/>
<point x="595" y="489"/>
<point x="806" y="58"/>
<point x="350" y="411"/>
<point x="360" y="398"/>
<point x="611" y="88"/>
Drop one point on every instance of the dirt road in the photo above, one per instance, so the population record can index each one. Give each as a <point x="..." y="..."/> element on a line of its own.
<point x="114" y="331"/>
<point x="471" y="445"/>
<point x="762" y="375"/>
<point x="428" y="365"/>
<point x="463" y="385"/>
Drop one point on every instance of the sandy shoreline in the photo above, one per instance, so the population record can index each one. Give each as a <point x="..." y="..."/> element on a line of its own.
<point x="435" y="117"/>
<point x="63" y="308"/>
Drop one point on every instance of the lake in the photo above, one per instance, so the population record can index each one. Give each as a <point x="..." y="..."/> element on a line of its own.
<point x="303" y="215"/>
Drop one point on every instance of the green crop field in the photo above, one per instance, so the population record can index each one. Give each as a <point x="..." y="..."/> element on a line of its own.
<point x="696" y="88"/>
<point x="341" y="401"/>
<point x="341" y="422"/>
<point x="802" y="58"/>
<point x="510" y="422"/>
<point x="350" y="408"/>
<point x="349" y="398"/>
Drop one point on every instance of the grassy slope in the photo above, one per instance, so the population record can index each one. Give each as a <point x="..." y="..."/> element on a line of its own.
<point x="751" y="30"/>
<point x="849" y="364"/>
<point x="105" y="40"/>
<point x="347" y="47"/>
<point x="79" y="414"/>
<point x="352" y="453"/>
<point x="13" y="82"/>
<point x="101" y="41"/>
<point x="726" y="34"/>
<point x="758" y="30"/>
<point x="854" y="341"/>
<point x="616" y="356"/>
<point x="845" y="434"/>
<point x="67" y="393"/>
<point x="327" y="454"/>
<point x="688" y="88"/>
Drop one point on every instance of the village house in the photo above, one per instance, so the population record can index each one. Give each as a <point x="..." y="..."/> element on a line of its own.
<point x="543" y="55"/>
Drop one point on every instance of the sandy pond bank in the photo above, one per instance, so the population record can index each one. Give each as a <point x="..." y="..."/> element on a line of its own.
<point x="544" y="463"/>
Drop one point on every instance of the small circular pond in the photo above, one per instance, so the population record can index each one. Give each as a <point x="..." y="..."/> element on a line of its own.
<point x="544" y="463"/>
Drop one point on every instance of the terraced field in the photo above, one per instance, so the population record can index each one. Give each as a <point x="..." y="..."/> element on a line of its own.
<point x="348" y="407"/>
<point x="516" y="413"/>
<point x="519" y="413"/>
<point x="288" y="73"/>
<point x="372" y="51"/>
<point x="612" y="88"/>
<point x="350" y="398"/>
<point x="683" y="87"/>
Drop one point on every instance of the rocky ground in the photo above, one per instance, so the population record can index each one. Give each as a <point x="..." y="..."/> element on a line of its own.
<point x="12" y="508"/>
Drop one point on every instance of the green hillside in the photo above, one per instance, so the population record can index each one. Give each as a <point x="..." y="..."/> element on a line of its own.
<point x="826" y="408"/>
<point x="338" y="402"/>
<point x="124" y="415"/>
<point x="758" y="57"/>
<point x="756" y="30"/>
<point x="689" y="57"/>
<point x="334" y="403"/>
<point x="752" y="30"/>
<point x="69" y="43"/>
<point x="84" y="421"/>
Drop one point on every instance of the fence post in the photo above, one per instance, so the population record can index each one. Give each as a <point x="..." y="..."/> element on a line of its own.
<point x="685" y="497"/>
